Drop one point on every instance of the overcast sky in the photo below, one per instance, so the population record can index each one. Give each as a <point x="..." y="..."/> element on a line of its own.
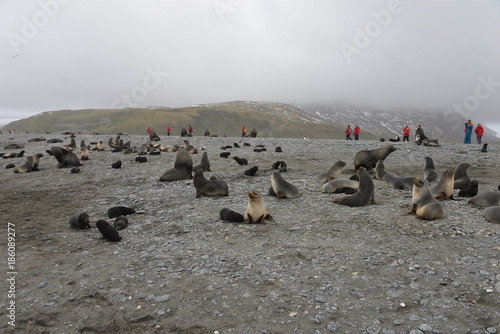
<point x="437" y="54"/>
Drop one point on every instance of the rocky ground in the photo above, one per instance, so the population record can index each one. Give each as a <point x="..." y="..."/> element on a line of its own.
<point x="319" y="268"/>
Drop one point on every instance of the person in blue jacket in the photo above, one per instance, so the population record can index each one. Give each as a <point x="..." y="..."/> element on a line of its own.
<point x="468" y="132"/>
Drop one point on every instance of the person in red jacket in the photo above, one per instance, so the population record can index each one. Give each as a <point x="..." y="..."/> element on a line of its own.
<point x="348" y="132"/>
<point x="356" y="132"/>
<point x="244" y="131"/>
<point x="406" y="133"/>
<point x="190" y="130"/>
<point x="148" y="130"/>
<point x="168" y="130"/>
<point x="479" y="131"/>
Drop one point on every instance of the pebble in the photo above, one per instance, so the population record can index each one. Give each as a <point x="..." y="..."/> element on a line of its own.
<point x="332" y="326"/>
<point x="162" y="298"/>
<point x="42" y="285"/>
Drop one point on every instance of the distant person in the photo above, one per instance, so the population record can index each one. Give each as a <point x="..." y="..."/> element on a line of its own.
<point x="168" y="130"/>
<point x="356" y="132"/>
<point x="244" y="131"/>
<point x="348" y="132"/>
<point x="468" y="131"/>
<point x="406" y="133"/>
<point x="190" y="130"/>
<point x="479" y="131"/>
<point x="148" y="130"/>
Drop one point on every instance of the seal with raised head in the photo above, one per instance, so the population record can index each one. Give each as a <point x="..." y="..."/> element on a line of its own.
<point x="26" y="167"/>
<point x="252" y="171"/>
<point x="283" y="188"/>
<point x="80" y="222"/>
<point x="364" y="195"/>
<point x="489" y="198"/>
<point x="484" y="149"/>
<point x="380" y="171"/>
<point x="368" y="158"/>
<point x="425" y="206"/>
<point x="339" y="186"/>
<point x="208" y="187"/>
<point x="461" y="178"/>
<point x="36" y="161"/>
<point x="332" y="173"/>
<point x="204" y="163"/>
<point x="64" y="157"/>
<point x="492" y="214"/>
<point x="120" y="223"/>
<point x="444" y="188"/>
<point x="183" y="167"/>
<point x="108" y="231"/>
<point x="430" y="173"/>
<point x="240" y="161"/>
<point x="229" y="215"/>
<point x="256" y="211"/>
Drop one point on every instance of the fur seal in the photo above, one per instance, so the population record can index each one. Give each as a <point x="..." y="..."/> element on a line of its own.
<point x="364" y="195"/>
<point x="278" y="149"/>
<point x="208" y="187"/>
<point x="37" y="139"/>
<point x="425" y="206"/>
<point x="117" y="165"/>
<point x="444" y="188"/>
<point x="338" y="186"/>
<point x="84" y="153"/>
<point x="26" y="167"/>
<point x="229" y="215"/>
<point x="461" y="179"/>
<point x="204" y="163"/>
<point x="225" y="154"/>
<point x="8" y="166"/>
<point x="117" y="211"/>
<point x="420" y="135"/>
<point x="395" y="140"/>
<point x="36" y="161"/>
<point x="13" y="155"/>
<point x="489" y="198"/>
<point x="108" y="231"/>
<point x="368" y="158"/>
<point x="256" y="210"/>
<point x="430" y="173"/>
<point x="153" y="136"/>
<point x="80" y="222"/>
<point x="380" y="171"/>
<point x="141" y="159"/>
<point x="484" y="149"/>
<point x="64" y="157"/>
<point x="120" y="223"/>
<point x="492" y="214"/>
<point x="332" y="173"/>
<point x="13" y="146"/>
<point x="430" y="142"/>
<point x="283" y="188"/>
<point x="240" y="161"/>
<point x="471" y="191"/>
<point x="283" y="168"/>
<point x="183" y="167"/>
<point x="402" y="183"/>
<point x="75" y="170"/>
<point x="54" y="140"/>
<point x="252" y="171"/>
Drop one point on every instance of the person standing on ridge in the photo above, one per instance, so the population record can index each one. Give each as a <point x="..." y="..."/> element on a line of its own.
<point x="168" y="130"/>
<point x="479" y="131"/>
<point x="148" y="130"/>
<point x="356" y="132"/>
<point x="244" y="131"/>
<point x="406" y="133"/>
<point x="190" y="130"/>
<point x="468" y="131"/>
<point x="348" y="132"/>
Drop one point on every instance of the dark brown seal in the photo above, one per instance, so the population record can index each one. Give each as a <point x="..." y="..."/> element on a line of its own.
<point x="368" y="158"/>
<point x="363" y="196"/>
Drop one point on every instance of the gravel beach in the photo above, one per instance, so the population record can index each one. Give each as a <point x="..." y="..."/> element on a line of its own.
<point x="319" y="268"/>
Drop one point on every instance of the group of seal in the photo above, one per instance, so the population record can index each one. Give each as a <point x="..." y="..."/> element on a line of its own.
<point x="255" y="211"/>
<point x="363" y="196"/>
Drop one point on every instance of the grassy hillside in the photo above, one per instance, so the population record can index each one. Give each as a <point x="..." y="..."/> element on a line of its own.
<point x="269" y="119"/>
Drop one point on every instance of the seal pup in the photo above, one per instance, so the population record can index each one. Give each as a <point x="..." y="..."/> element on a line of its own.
<point x="13" y="146"/>
<point x="228" y="215"/>
<point x="485" y="148"/>
<point x="276" y="165"/>
<point x="208" y="187"/>
<point x="461" y="179"/>
<point x="117" y="211"/>
<point x="108" y="231"/>
<point x="120" y="223"/>
<point x="13" y="155"/>
<point x="444" y="188"/>
<point x="183" y="167"/>
<point x="492" y="214"/>
<point x="225" y="154"/>
<point x="75" y="170"/>
<point x="425" y="206"/>
<point x="338" y="186"/>
<point x="489" y="198"/>
<point x="283" y="188"/>
<point x="256" y="210"/>
<point x="401" y="183"/>
<point x="240" y="161"/>
<point x="84" y="153"/>
<point x="80" y="222"/>
<point x="283" y="168"/>
<point x="368" y="158"/>
<point x="380" y="171"/>
<point x="141" y="159"/>
<point x="26" y="167"/>
<point x="332" y="173"/>
<point x="153" y="136"/>
<point x="430" y="142"/>
<point x="252" y="171"/>
<point x="204" y="163"/>
<point x="117" y="165"/>
<point x="471" y="191"/>
<point x="8" y="166"/>
<point x="430" y="173"/>
<point x="364" y="195"/>
<point x="278" y="149"/>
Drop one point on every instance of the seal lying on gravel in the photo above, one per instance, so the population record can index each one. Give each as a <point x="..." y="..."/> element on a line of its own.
<point x="208" y="187"/>
<point x="117" y="211"/>
<point x="425" y="206"/>
<point x="26" y="167"/>
<point x="492" y="214"/>
<point x="183" y="167"/>
<point x="228" y="215"/>
<point x="444" y="188"/>
<point x="471" y="191"/>
<point x="256" y="210"/>
<point x="204" y="163"/>
<point x="490" y="198"/>
<point x="369" y="158"/>
<point x="80" y="222"/>
<point x="340" y="186"/>
<point x="120" y="223"/>
<point x="430" y="173"/>
<point x="363" y="196"/>
<point x="332" y="173"/>
<point x="461" y="179"/>
<point x="108" y="231"/>
<point x="283" y="188"/>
